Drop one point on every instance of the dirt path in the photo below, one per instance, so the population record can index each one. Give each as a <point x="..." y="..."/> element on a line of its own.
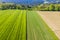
<point x="52" y="19"/>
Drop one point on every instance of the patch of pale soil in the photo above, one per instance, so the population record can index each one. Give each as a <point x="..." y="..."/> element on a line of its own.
<point x="52" y="19"/>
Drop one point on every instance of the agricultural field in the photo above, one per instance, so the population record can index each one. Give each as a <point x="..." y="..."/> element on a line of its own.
<point x="24" y="25"/>
<point x="12" y="25"/>
<point x="37" y="29"/>
<point x="52" y="19"/>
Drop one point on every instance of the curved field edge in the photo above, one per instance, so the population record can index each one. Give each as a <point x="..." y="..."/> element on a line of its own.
<point x="37" y="29"/>
<point x="13" y="25"/>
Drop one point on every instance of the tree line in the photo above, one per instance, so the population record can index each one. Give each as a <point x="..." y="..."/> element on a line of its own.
<point x="14" y="6"/>
<point x="41" y="7"/>
<point x="49" y="7"/>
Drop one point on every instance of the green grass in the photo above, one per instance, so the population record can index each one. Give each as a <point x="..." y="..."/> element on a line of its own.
<point x="37" y="29"/>
<point x="13" y="25"/>
<point x="24" y="25"/>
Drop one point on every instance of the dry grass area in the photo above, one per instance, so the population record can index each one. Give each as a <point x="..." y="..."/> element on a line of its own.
<point x="52" y="19"/>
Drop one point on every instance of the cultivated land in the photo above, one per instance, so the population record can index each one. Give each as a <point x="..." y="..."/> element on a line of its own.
<point x="37" y="29"/>
<point x="24" y="25"/>
<point x="52" y="19"/>
<point x="12" y="25"/>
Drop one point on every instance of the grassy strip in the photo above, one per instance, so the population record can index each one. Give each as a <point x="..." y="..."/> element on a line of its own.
<point x="37" y="28"/>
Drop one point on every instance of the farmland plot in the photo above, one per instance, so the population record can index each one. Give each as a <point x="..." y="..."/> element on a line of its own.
<point x="37" y="29"/>
<point x="24" y="25"/>
<point x="12" y="25"/>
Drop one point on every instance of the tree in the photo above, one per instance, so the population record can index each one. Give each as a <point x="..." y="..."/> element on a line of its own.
<point x="51" y="7"/>
<point x="56" y="7"/>
<point x="3" y="7"/>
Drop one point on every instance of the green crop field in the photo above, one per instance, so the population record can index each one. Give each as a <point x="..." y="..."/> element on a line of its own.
<point x="12" y="25"/>
<point x="24" y="25"/>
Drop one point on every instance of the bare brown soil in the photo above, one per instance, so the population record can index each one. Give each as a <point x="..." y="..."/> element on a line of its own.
<point x="52" y="19"/>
